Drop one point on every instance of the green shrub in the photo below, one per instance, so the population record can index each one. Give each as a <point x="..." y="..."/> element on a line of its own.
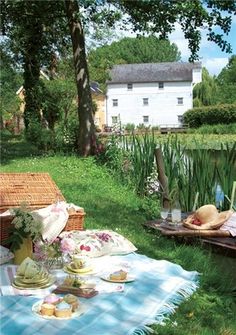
<point x="130" y="127"/>
<point x="219" y="114"/>
<point x="215" y="129"/>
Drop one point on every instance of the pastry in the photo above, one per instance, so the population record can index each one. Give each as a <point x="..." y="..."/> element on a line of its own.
<point x="47" y="309"/>
<point x="118" y="275"/>
<point x="71" y="300"/>
<point x="70" y="281"/>
<point x="63" y="310"/>
<point x="52" y="299"/>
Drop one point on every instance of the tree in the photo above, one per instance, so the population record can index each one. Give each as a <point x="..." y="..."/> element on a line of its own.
<point x="87" y="140"/>
<point x="130" y="50"/>
<point x="10" y="81"/>
<point x="226" y="80"/>
<point x="32" y="35"/>
<point x="143" y="16"/>
<point x="205" y="93"/>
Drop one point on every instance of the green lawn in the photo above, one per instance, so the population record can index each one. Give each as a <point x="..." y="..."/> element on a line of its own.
<point x="108" y="204"/>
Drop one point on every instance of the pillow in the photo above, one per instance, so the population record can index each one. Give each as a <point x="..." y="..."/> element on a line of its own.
<point x="5" y="255"/>
<point x="95" y="243"/>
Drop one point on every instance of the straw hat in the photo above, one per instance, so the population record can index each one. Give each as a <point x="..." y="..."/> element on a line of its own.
<point x="207" y="217"/>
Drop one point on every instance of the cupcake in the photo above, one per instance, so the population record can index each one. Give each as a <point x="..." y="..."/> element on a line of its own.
<point x="72" y="300"/>
<point x="47" y="309"/>
<point x="52" y="299"/>
<point x="63" y="310"/>
<point x="118" y="275"/>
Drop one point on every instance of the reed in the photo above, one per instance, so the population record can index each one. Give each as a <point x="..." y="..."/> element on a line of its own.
<point x="189" y="171"/>
<point x="142" y="157"/>
<point x="226" y="170"/>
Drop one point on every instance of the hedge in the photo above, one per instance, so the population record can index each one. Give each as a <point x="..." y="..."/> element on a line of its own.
<point x="198" y="116"/>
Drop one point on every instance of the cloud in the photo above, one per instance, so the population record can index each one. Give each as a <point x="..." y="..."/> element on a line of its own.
<point x="177" y="37"/>
<point x="209" y="53"/>
<point x="214" y="65"/>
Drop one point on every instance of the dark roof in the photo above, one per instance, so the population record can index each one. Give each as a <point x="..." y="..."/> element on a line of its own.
<point x="152" y="72"/>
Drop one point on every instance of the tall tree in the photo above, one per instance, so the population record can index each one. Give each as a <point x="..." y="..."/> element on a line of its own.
<point x="143" y="16"/>
<point x="87" y="139"/>
<point x="130" y="50"/>
<point x="205" y="93"/>
<point x="31" y="27"/>
<point x="227" y="82"/>
<point x="10" y="82"/>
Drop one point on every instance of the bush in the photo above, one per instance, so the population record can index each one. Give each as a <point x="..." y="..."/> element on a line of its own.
<point x="224" y="114"/>
<point x="130" y="127"/>
<point x="219" y="129"/>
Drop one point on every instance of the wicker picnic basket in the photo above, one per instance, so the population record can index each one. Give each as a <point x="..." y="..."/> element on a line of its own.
<point x="37" y="190"/>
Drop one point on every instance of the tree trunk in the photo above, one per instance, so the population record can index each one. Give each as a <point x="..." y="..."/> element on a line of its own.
<point x="31" y="75"/>
<point x="87" y="134"/>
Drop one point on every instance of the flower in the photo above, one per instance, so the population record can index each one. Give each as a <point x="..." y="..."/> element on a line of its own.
<point x="24" y="225"/>
<point x="68" y="245"/>
<point x="152" y="183"/>
<point x="57" y="248"/>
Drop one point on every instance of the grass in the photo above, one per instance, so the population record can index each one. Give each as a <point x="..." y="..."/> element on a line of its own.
<point x="212" y="309"/>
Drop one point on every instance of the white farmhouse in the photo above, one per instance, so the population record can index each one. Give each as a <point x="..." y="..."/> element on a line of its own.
<point x="155" y="94"/>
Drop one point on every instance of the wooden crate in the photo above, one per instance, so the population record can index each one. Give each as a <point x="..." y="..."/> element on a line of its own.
<point x="37" y="190"/>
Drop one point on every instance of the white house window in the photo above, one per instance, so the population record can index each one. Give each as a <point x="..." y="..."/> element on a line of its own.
<point x="145" y="102"/>
<point x="180" y="119"/>
<point x="145" y="119"/>
<point x="180" y="101"/>
<point x="161" y="85"/>
<point x="114" y="119"/>
<point x="129" y="86"/>
<point x="114" y="102"/>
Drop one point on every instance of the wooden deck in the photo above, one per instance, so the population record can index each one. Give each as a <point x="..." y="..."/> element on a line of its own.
<point x="173" y="128"/>
<point x="221" y="240"/>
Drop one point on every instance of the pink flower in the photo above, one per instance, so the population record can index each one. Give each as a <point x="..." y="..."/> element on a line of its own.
<point x="85" y="247"/>
<point x="68" y="245"/>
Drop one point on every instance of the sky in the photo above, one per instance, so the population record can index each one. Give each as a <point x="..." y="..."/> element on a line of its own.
<point x="210" y="53"/>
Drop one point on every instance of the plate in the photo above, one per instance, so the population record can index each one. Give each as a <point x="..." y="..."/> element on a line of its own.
<point x="23" y="286"/>
<point x="30" y="281"/>
<point x="127" y="280"/>
<point x="19" y="281"/>
<point x="36" y="310"/>
<point x="69" y="270"/>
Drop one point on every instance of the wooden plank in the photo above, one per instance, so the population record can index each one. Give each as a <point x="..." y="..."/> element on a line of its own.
<point x="220" y="238"/>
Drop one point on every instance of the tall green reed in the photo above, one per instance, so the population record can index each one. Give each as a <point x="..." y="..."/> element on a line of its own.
<point x="196" y="170"/>
<point x="226" y="169"/>
<point x="188" y="171"/>
<point x="141" y="151"/>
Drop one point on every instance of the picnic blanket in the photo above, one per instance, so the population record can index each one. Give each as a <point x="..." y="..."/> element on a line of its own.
<point x="159" y="287"/>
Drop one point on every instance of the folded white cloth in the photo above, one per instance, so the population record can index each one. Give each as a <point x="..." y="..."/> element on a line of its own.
<point x="230" y="225"/>
<point x="53" y="218"/>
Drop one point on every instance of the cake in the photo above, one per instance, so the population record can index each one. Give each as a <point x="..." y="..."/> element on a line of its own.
<point x="47" y="309"/>
<point x="63" y="310"/>
<point x="118" y="275"/>
<point x="72" y="300"/>
<point x="52" y="299"/>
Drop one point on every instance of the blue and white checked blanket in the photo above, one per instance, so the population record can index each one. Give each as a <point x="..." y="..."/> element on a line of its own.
<point x="160" y="286"/>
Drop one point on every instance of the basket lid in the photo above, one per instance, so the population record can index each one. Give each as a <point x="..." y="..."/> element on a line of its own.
<point x="34" y="189"/>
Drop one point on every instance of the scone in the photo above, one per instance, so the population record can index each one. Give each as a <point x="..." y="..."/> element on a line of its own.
<point x="71" y="300"/>
<point x="52" y="299"/>
<point x="118" y="275"/>
<point x="47" y="309"/>
<point x="63" y="310"/>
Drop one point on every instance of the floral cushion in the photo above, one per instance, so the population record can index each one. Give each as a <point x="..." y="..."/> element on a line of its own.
<point x="5" y="255"/>
<point x="95" y="243"/>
